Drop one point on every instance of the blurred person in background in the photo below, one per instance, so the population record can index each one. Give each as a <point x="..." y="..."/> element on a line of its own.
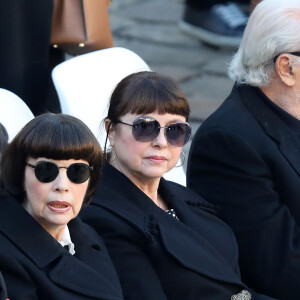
<point x="245" y="158"/>
<point x="26" y="58"/>
<point x="218" y="23"/>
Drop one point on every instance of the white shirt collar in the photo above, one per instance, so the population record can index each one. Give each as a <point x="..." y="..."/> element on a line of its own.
<point x="66" y="240"/>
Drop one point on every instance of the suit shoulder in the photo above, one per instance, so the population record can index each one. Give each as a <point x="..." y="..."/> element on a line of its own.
<point x="232" y="116"/>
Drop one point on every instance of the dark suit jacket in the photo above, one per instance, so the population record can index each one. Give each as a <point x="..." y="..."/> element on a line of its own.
<point x="25" y="61"/>
<point x="155" y="255"/>
<point x="246" y="161"/>
<point x="35" y="266"/>
<point x="3" y="291"/>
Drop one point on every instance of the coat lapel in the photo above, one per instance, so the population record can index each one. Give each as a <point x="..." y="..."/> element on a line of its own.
<point x="131" y="204"/>
<point x="194" y="251"/>
<point x="74" y="275"/>
<point x="272" y="124"/>
<point x="45" y="252"/>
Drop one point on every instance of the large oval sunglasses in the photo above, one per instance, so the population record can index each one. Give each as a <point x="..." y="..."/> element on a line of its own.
<point x="46" y="171"/>
<point x="146" y="129"/>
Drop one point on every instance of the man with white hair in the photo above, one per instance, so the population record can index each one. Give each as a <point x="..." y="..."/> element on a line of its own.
<point x="245" y="158"/>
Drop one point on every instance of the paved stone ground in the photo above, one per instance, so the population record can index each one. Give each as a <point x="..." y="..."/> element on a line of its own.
<point x="149" y="28"/>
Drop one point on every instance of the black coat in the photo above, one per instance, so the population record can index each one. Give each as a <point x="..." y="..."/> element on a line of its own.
<point x="25" y="61"/>
<point x="155" y="255"/>
<point x="3" y="291"/>
<point x="35" y="266"/>
<point x="246" y="161"/>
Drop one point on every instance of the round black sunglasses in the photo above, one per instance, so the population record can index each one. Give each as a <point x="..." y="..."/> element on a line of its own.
<point x="146" y="129"/>
<point x="46" y="171"/>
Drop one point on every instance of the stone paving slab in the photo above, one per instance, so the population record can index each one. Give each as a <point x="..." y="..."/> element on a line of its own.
<point x="205" y="94"/>
<point x="155" y="11"/>
<point x="167" y="34"/>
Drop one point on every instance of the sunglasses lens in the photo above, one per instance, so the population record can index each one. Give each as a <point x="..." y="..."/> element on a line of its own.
<point x="145" y="129"/>
<point x="78" y="173"/>
<point x="45" y="171"/>
<point x="178" y="134"/>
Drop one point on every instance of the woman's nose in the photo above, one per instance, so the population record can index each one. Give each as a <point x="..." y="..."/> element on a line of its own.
<point x="62" y="181"/>
<point x="161" y="139"/>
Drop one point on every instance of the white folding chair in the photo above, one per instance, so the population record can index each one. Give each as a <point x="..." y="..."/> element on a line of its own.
<point x="14" y="113"/>
<point x="84" y="85"/>
<point x="177" y="174"/>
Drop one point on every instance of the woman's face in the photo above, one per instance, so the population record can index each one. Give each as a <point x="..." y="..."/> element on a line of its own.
<point x="144" y="161"/>
<point x="55" y="203"/>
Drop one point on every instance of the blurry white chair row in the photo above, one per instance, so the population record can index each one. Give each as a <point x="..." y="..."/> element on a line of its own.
<point x="14" y="113"/>
<point x="84" y="85"/>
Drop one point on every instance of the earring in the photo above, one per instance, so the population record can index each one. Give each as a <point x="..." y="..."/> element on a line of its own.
<point x="108" y="152"/>
<point x="183" y="155"/>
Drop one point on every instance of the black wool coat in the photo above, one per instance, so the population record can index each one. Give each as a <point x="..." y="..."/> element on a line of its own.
<point x="35" y="266"/>
<point x="3" y="291"/>
<point x="26" y="58"/>
<point x="155" y="255"/>
<point x="246" y="161"/>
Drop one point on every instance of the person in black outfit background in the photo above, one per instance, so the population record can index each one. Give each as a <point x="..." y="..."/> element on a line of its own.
<point x="219" y="23"/>
<point x="245" y="157"/>
<point x="26" y="58"/>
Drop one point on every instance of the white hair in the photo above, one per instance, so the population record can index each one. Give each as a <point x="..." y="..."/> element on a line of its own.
<point x="273" y="28"/>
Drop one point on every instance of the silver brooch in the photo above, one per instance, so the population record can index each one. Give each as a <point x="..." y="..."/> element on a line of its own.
<point x="243" y="295"/>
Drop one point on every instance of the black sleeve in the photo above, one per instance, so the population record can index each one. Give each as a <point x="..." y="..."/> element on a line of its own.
<point x="227" y="171"/>
<point x="18" y="282"/>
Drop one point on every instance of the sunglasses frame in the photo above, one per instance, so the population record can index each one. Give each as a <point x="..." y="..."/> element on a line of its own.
<point x="159" y="127"/>
<point x="296" y="53"/>
<point x="67" y="168"/>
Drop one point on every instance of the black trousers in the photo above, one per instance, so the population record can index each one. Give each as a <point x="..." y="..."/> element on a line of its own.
<point x="202" y="4"/>
<point x="25" y="57"/>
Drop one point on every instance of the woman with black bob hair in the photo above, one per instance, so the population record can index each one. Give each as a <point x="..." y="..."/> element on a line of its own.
<point x="164" y="240"/>
<point x="49" y="170"/>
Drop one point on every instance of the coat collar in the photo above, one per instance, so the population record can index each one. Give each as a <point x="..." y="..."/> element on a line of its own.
<point x="194" y="251"/>
<point x="45" y="252"/>
<point x="276" y="128"/>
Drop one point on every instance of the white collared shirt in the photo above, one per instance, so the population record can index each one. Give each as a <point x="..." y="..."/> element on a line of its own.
<point x="66" y="240"/>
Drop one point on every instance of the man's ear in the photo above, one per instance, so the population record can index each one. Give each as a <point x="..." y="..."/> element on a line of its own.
<point x="110" y="131"/>
<point x="284" y="70"/>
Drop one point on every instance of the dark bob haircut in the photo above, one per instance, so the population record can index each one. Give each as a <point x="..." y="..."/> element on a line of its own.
<point x="147" y="92"/>
<point x="53" y="136"/>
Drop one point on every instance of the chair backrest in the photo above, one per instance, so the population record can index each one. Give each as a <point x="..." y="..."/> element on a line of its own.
<point x="84" y="85"/>
<point x="177" y="174"/>
<point x="14" y="113"/>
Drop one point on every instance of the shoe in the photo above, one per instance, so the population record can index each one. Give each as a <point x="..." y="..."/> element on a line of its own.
<point x="221" y="25"/>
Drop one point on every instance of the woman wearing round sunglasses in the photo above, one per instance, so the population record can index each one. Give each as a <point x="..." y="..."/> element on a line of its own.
<point x="49" y="170"/>
<point x="165" y="241"/>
